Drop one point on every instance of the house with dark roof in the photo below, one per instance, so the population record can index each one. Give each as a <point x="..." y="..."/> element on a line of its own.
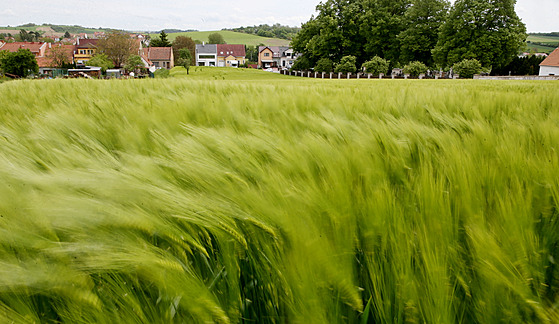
<point x="159" y="57"/>
<point x="276" y="57"/>
<point x="223" y="55"/>
<point x="206" y="54"/>
<point x="549" y="66"/>
<point x="84" y="51"/>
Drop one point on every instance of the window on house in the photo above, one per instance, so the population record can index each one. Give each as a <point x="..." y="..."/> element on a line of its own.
<point x="220" y="52"/>
<point x="156" y="64"/>
<point x="266" y="54"/>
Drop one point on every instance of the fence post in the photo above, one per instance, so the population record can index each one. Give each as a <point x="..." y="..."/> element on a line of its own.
<point x="323" y="73"/>
<point x="331" y="73"/>
<point x="380" y="75"/>
<point x="339" y="75"/>
<point x="406" y="76"/>
<point x="393" y="76"/>
<point x="436" y="76"/>
<point x="421" y="76"/>
<point x="348" y="74"/>
<point x="456" y="76"/>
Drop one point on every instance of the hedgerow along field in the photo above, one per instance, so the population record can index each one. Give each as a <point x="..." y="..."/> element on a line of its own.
<point x="284" y="200"/>
<point x="230" y="37"/>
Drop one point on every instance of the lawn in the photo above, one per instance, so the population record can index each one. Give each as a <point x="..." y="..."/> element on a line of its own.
<point x="230" y="37"/>
<point x="240" y="196"/>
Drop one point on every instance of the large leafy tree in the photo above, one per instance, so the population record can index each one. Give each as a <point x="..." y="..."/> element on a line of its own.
<point x="422" y="21"/>
<point x="361" y="28"/>
<point x="489" y="31"/>
<point x="20" y="63"/>
<point x="216" y="38"/>
<point x="184" y="42"/>
<point x="60" y="57"/>
<point x="117" y="45"/>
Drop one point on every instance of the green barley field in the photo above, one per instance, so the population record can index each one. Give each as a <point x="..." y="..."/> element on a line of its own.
<point x="235" y="196"/>
<point x="230" y="37"/>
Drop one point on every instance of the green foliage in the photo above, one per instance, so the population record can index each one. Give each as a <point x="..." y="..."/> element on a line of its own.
<point x="231" y="37"/>
<point x="528" y="65"/>
<point x="133" y="63"/>
<point x="467" y="68"/>
<point x="324" y="65"/>
<point x="419" y="36"/>
<point x="276" y="30"/>
<point x="216" y="38"/>
<point x="346" y="65"/>
<point x="30" y="36"/>
<point x="289" y="201"/>
<point x="101" y="60"/>
<point x="302" y="63"/>
<point x="117" y="45"/>
<point x="184" y="59"/>
<point x="184" y="42"/>
<point x="21" y="63"/>
<point x="489" y="31"/>
<point x="376" y="66"/>
<point x="162" y="73"/>
<point x="415" y="68"/>
<point x="162" y="41"/>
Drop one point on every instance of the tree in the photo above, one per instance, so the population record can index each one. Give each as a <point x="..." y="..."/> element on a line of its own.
<point x="324" y="65"/>
<point x="134" y="62"/>
<point x="376" y="66"/>
<point x="67" y="35"/>
<point x="467" y="68"/>
<point x="415" y="68"/>
<point x="185" y="58"/>
<point x="60" y="57"/>
<point x="101" y="60"/>
<point x="422" y="21"/>
<point x="216" y="38"/>
<point x="489" y="31"/>
<point x="162" y="41"/>
<point x="346" y="65"/>
<point x="302" y="63"/>
<point x="117" y="46"/>
<point x="20" y="63"/>
<point x="31" y="36"/>
<point x="184" y="42"/>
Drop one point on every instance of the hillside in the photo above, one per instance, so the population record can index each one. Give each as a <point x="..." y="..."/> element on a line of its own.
<point x="542" y="43"/>
<point x="230" y="37"/>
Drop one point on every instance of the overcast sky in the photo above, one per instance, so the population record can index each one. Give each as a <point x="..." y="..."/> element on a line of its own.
<point x="538" y="15"/>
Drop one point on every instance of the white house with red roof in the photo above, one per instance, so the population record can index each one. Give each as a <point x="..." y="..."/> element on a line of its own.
<point x="159" y="57"/>
<point x="550" y="66"/>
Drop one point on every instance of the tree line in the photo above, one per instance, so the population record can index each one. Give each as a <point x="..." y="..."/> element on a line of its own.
<point x="432" y="32"/>
<point x="273" y="31"/>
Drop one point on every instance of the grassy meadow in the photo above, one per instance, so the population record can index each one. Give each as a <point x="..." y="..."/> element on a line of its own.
<point x="230" y="37"/>
<point x="223" y="197"/>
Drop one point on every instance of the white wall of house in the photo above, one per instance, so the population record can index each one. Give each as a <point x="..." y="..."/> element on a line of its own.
<point x="549" y="70"/>
<point x="206" y="61"/>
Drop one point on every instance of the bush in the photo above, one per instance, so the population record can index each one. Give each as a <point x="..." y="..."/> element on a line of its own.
<point x="324" y="65"/>
<point x="376" y="66"/>
<point x="467" y="68"/>
<point x="161" y="73"/>
<point x="346" y="65"/>
<point x="415" y="68"/>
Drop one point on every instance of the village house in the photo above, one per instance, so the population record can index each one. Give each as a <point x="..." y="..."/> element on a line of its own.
<point x="221" y="55"/>
<point x="158" y="57"/>
<point x="550" y="66"/>
<point x="276" y="57"/>
<point x="37" y="48"/>
<point x="85" y="50"/>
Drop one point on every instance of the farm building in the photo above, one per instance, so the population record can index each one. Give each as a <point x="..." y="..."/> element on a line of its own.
<point x="550" y="66"/>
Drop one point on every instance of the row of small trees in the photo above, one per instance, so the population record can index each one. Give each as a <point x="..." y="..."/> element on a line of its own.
<point x="377" y="65"/>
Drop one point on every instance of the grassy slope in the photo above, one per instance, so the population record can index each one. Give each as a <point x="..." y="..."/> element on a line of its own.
<point x="552" y="43"/>
<point x="279" y="199"/>
<point x="231" y="38"/>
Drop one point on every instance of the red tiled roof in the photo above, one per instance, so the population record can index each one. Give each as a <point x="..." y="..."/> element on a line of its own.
<point x="159" y="53"/>
<point x="34" y="47"/>
<point x="224" y="50"/>
<point x="87" y="43"/>
<point x="46" y="61"/>
<point x="552" y="59"/>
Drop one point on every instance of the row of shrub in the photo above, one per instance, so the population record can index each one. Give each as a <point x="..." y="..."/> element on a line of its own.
<point x="466" y="68"/>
